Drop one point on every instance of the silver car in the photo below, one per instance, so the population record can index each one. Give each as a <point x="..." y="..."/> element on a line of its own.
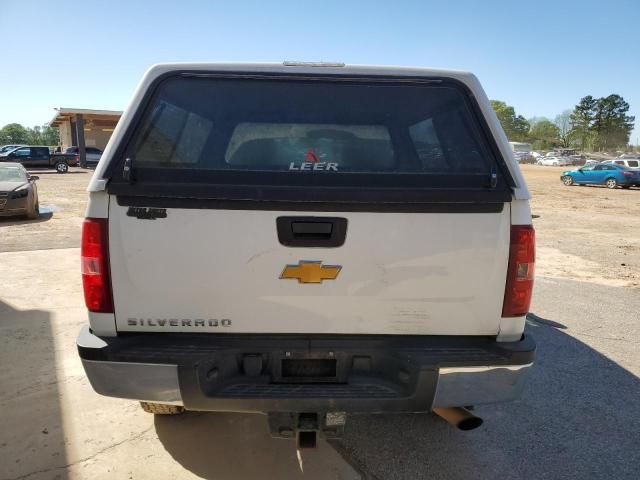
<point x="18" y="191"/>
<point x="93" y="154"/>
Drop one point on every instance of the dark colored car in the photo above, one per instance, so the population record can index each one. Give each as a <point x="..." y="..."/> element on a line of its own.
<point x="602" y="174"/>
<point x="93" y="154"/>
<point x="39" y="157"/>
<point x="18" y="191"/>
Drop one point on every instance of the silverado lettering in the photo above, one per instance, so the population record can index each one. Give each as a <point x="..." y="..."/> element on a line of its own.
<point x="152" y="322"/>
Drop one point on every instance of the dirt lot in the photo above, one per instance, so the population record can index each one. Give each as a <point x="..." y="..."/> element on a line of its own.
<point x="584" y="233"/>
<point x="62" y="202"/>
<point x="587" y="233"/>
<point x="577" y="417"/>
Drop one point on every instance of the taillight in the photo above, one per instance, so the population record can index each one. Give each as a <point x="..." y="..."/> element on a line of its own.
<point x="95" y="265"/>
<point x="77" y="158"/>
<point x="520" y="273"/>
<point x="627" y="174"/>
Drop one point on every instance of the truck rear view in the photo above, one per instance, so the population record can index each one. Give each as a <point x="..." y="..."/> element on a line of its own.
<point x="308" y="241"/>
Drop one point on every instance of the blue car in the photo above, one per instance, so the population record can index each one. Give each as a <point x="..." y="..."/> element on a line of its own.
<point x="602" y="174"/>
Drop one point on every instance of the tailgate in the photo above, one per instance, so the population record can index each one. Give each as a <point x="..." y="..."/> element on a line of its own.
<point x="309" y="206"/>
<point x="219" y="270"/>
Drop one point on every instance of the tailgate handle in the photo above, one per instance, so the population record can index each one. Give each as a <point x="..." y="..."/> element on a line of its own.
<point x="311" y="231"/>
<point x="311" y="228"/>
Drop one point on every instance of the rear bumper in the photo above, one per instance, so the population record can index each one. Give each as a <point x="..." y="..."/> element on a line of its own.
<point x="263" y="373"/>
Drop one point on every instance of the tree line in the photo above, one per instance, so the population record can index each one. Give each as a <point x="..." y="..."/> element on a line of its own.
<point x="601" y="124"/>
<point x="594" y="124"/>
<point x="16" y="134"/>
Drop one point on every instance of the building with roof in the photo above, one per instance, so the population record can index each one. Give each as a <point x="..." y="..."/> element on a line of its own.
<point x="84" y="128"/>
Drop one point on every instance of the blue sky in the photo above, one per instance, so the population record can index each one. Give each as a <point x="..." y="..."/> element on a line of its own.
<point x="539" y="56"/>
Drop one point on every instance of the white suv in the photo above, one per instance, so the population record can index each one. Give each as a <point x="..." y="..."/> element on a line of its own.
<point x="308" y="241"/>
<point x="553" y="161"/>
<point x="626" y="162"/>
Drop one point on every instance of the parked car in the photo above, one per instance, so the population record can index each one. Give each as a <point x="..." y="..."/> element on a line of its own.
<point x="602" y="174"/>
<point x="626" y="162"/>
<point x="18" y="191"/>
<point x="577" y="160"/>
<point x="39" y="157"/>
<point x="553" y="161"/>
<point x="273" y="321"/>
<point x="93" y="154"/>
<point x="524" y="157"/>
<point x="8" y="148"/>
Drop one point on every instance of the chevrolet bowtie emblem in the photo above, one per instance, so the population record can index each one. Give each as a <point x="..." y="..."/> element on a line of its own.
<point x="311" y="272"/>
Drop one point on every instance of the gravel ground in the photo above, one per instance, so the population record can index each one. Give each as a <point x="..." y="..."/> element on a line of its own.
<point x="584" y="233"/>
<point x="577" y="418"/>
<point x="54" y="426"/>
<point x="63" y="198"/>
<point x="587" y="233"/>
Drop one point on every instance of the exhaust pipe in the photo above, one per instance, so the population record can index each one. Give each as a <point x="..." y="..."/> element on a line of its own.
<point x="459" y="417"/>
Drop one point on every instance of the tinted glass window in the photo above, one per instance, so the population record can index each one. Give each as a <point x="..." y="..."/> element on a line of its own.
<point x="632" y="163"/>
<point x="12" y="174"/>
<point x="40" y="151"/>
<point x="277" y="146"/>
<point x="23" y="152"/>
<point x="302" y="127"/>
<point x="173" y="136"/>
<point x="427" y="144"/>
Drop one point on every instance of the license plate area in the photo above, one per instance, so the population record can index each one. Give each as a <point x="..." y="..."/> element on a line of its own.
<point x="309" y="368"/>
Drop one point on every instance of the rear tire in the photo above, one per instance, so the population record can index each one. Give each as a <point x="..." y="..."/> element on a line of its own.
<point x="61" y="167"/>
<point x="611" y="183"/>
<point x="567" y="180"/>
<point x="161" y="408"/>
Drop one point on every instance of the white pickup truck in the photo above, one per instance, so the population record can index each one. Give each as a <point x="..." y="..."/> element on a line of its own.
<point x="308" y="240"/>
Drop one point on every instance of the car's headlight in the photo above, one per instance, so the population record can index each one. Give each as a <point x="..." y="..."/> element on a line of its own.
<point x="20" y="192"/>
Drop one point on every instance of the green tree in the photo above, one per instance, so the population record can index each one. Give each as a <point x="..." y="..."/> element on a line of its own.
<point x="563" y="122"/>
<point x="582" y="119"/>
<point x="611" y="125"/>
<point x="13" y="133"/>
<point x="44" y="135"/>
<point x="545" y="135"/>
<point x="38" y="135"/>
<point x="515" y="126"/>
<point x="50" y="136"/>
